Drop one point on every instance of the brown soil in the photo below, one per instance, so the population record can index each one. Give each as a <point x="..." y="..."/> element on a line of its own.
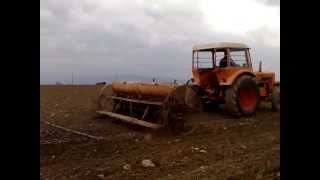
<point x="213" y="146"/>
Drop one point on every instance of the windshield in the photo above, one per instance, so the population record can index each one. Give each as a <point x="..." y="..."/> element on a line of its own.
<point x="219" y="58"/>
<point x="238" y="58"/>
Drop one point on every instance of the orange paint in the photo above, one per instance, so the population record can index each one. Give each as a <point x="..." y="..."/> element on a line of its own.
<point x="147" y="89"/>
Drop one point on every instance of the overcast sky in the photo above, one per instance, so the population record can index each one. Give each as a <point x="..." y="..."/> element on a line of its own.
<point x="101" y="39"/>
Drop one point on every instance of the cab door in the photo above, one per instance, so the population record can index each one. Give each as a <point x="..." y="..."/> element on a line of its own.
<point x="203" y="63"/>
<point x="238" y="61"/>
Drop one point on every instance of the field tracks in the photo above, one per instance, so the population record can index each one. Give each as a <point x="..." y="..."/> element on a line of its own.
<point x="98" y="138"/>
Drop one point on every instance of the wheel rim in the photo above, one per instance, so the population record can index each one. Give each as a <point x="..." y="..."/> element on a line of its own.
<point x="248" y="99"/>
<point x="104" y="100"/>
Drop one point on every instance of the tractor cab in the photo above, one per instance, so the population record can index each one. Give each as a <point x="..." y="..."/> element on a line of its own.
<point x="218" y="64"/>
<point x="220" y="55"/>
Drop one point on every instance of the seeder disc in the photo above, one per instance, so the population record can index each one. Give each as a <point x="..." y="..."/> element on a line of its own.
<point x="104" y="100"/>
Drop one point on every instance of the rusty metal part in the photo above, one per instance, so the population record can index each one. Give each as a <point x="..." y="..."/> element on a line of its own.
<point x="145" y="104"/>
<point x="137" y="101"/>
<point x="146" y="89"/>
<point x="131" y="120"/>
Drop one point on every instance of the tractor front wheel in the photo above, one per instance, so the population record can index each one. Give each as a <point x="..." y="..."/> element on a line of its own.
<point x="242" y="98"/>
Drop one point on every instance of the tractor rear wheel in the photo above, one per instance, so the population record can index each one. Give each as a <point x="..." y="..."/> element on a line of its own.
<point x="276" y="99"/>
<point x="242" y="98"/>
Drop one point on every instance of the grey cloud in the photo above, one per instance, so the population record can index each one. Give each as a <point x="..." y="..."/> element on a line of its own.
<point x="138" y="41"/>
<point x="271" y="2"/>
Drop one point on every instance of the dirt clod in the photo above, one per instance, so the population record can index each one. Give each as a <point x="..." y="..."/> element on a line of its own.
<point x="203" y="151"/>
<point x="52" y="114"/>
<point x="148" y="137"/>
<point x="127" y="167"/>
<point x="243" y="146"/>
<point x="147" y="163"/>
<point x="101" y="176"/>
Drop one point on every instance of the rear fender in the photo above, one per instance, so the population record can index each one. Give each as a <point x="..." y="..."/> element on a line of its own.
<point x="228" y="81"/>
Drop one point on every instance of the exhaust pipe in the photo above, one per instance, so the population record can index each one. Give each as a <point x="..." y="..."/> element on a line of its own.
<point x="260" y="66"/>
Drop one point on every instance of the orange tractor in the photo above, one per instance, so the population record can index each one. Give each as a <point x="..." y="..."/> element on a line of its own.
<point x="222" y="74"/>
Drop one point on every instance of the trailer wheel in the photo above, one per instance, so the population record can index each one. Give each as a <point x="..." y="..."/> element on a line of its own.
<point x="192" y="98"/>
<point x="176" y="124"/>
<point x="242" y="98"/>
<point x="104" y="102"/>
<point x="276" y="99"/>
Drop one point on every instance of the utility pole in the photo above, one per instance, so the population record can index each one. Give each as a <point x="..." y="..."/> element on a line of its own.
<point x="72" y="78"/>
<point x="260" y="66"/>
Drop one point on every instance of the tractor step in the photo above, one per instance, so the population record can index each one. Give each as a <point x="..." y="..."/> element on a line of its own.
<point x="130" y="119"/>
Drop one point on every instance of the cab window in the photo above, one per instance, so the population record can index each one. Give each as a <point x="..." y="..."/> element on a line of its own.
<point x="238" y="58"/>
<point x="203" y="60"/>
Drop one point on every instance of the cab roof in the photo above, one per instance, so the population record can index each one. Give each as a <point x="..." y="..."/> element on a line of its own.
<point x="220" y="45"/>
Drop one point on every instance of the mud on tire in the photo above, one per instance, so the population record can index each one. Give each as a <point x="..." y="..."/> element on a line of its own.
<point x="242" y="98"/>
